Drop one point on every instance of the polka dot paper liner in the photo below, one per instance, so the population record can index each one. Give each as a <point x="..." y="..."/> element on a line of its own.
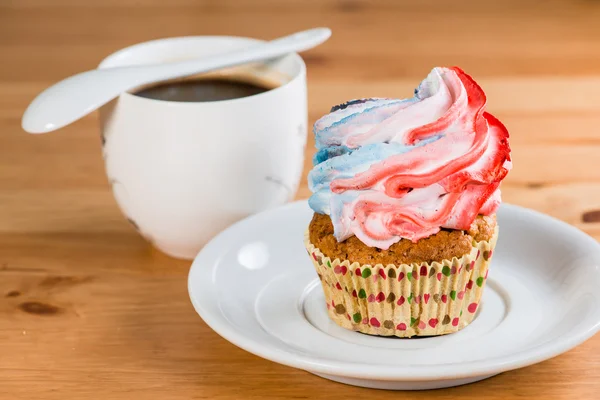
<point x="425" y="299"/>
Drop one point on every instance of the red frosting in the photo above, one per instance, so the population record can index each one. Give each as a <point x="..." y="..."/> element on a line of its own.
<point x="462" y="169"/>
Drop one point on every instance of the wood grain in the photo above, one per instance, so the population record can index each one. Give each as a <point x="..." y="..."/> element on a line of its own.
<point x="89" y="310"/>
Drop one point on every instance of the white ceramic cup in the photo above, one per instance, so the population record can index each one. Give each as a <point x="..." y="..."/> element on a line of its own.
<point x="183" y="171"/>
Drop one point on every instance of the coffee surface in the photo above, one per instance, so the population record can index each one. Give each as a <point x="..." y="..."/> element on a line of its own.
<point x="202" y="90"/>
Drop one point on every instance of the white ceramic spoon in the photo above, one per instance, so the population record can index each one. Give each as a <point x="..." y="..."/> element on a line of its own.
<point x="79" y="95"/>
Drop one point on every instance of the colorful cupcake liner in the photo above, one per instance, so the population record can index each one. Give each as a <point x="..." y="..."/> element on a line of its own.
<point x="424" y="299"/>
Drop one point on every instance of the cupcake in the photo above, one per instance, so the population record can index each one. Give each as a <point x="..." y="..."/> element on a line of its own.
<point x="405" y="194"/>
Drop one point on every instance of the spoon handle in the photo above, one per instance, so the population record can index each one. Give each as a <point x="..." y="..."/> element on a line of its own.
<point x="261" y="51"/>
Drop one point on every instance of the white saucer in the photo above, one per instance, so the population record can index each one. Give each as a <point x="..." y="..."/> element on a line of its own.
<point x="255" y="285"/>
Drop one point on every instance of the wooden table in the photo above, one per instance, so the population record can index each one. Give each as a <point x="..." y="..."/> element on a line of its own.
<point x="89" y="310"/>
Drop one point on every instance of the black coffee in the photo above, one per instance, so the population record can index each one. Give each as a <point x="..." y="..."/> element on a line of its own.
<point x="213" y="89"/>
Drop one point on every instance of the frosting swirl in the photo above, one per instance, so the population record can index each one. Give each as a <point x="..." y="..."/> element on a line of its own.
<point x="389" y="169"/>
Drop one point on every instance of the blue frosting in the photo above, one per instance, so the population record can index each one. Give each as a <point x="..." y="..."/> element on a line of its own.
<point x="339" y="162"/>
<point x="371" y="112"/>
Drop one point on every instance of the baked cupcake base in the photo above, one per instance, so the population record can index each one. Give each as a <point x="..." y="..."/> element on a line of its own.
<point x="424" y="299"/>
